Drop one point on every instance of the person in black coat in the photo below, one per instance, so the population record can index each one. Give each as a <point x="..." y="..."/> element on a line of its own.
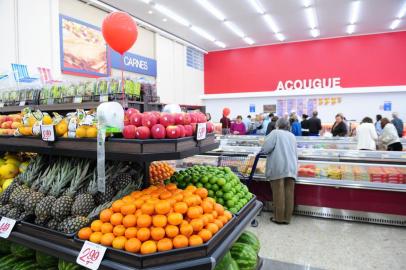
<point x="339" y="128"/>
<point x="272" y="125"/>
<point x="305" y="125"/>
<point x="314" y="125"/>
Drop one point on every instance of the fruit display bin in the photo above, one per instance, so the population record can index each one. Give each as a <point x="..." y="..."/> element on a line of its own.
<point x="35" y="229"/>
<point x="247" y="207"/>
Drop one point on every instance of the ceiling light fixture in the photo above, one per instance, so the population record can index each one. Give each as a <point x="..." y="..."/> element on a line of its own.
<point x="212" y="9"/>
<point x="271" y="23"/>
<point x="355" y="9"/>
<point x="257" y="6"/>
<point x="167" y="12"/>
<point x="402" y="11"/>
<point x="395" y="24"/>
<point x="248" y="40"/>
<point x="164" y="19"/>
<point x="202" y="33"/>
<point x="280" y="36"/>
<point x="311" y="17"/>
<point x="350" y="29"/>
<point x="307" y="3"/>
<point x="146" y="1"/>
<point x="234" y="28"/>
<point x="220" y="44"/>
<point x="150" y="12"/>
<point x="103" y="5"/>
<point x="315" y="32"/>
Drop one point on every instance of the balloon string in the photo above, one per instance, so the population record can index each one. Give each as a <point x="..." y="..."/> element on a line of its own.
<point x="122" y="81"/>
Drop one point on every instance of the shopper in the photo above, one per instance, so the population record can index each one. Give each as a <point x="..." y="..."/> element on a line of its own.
<point x="366" y="135"/>
<point x="398" y="123"/>
<point x="247" y="122"/>
<point x="261" y="130"/>
<point x="296" y="129"/>
<point x="281" y="169"/>
<point x="314" y="125"/>
<point x="339" y="128"/>
<point x="272" y="125"/>
<point x="390" y="138"/>
<point x="225" y="125"/>
<point x="305" y="125"/>
<point x="238" y="127"/>
<point x="378" y="126"/>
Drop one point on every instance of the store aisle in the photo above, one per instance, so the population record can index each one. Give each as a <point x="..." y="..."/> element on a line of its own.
<point x="332" y="244"/>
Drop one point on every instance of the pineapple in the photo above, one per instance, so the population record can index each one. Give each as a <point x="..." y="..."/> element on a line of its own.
<point x="42" y="184"/>
<point x="40" y="222"/>
<point x="73" y="224"/>
<point x="101" y="198"/>
<point x="14" y="213"/>
<point x="122" y="180"/>
<point x="52" y="224"/>
<point x="5" y="209"/>
<point x="5" y="196"/>
<point x="84" y="203"/>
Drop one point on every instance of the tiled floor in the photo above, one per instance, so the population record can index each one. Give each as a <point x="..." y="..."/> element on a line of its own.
<point x="332" y="244"/>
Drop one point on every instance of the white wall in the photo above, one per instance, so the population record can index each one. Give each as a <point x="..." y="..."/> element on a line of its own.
<point x="353" y="106"/>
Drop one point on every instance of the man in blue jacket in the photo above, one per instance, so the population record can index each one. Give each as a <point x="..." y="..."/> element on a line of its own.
<point x="398" y="123"/>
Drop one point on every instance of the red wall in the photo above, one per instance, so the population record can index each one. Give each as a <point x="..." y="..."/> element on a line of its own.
<point x="360" y="61"/>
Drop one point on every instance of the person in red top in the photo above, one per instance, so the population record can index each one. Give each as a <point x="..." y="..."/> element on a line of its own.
<point x="238" y="127"/>
<point x="225" y="125"/>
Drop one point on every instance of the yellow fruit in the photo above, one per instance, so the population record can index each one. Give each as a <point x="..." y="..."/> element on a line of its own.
<point x="8" y="171"/>
<point x="1" y="190"/>
<point x="25" y="131"/>
<point x="47" y="120"/>
<point x="23" y="166"/>
<point x="91" y="132"/>
<point x="13" y="161"/>
<point x="81" y="132"/>
<point x="31" y="120"/>
<point x="61" y="128"/>
<point x="2" y="182"/>
<point x="65" y="135"/>
<point x="6" y="183"/>
<point x="2" y="162"/>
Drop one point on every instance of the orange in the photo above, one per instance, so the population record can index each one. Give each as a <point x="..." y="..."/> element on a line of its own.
<point x="187" y="193"/>
<point x="117" y="206"/>
<point x="177" y="197"/>
<point x="205" y="219"/>
<point x="132" y="245"/>
<point x="116" y="219"/>
<point x="202" y="193"/>
<point x="145" y="197"/>
<point x="184" y="222"/>
<point x="119" y="242"/>
<point x="119" y="230"/>
<point x="128" y="209"/>
<point x="153" y="201"/>
<point x="131" y="232"/>
<point x="136" y="194"/>
<point x="85" y="233"/>
<point x="171" y="231"/>
<point x="190" y="200"/>
<point x="165" y="195"/>
<point x="171" y="186"/>
<point x="138" y="203"/>
<point x="148" y="208"/>
<point x="144" y="221"/>
<point x="164" y="244"/>
<point x="186" y="230"/>
<point x="214" y="213"/>
<point x="157" y="233"/>
<point x="95" y="237"/>
<point x="175" y="218"/>
<point x="106" y="228"/>
<point x="96" y="225"/>
<point x="212" y="227"/>
<point x="228" y="215"/>
<point x="138" y="213"/>
<point x="194" y="212"/>
<point x="180" y="207"/>
<point x="211" y="200"/>
<point x="218" y="223"/>
<point x="105" y="215"/>
<point x="191" y="189"/>
<point x="148" y="247"/>
<point x="107" y="239"/>
<point x="210" y="217"/>
<point x="127" y="199"/>
<point x="162" y="207"/>
<point x="206" y="235"/>
<point x="195" y="240"/>
<point x="171" y="201"/>
<point x="130" y="221"/>
<point x="222" y="219"/>
<point x="219" y="209"/>
<point x="180" y="241"/>
<point x="197" y="224"/>
<point x="207" y="206"/>
<point x="159" y="221"/>
<point x="143" y="234"/>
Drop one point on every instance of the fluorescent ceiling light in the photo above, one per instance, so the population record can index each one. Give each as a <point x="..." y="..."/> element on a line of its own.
<point x="307" y="3"/>
<point x="235" y="29"/>
<point x="271" y="23"/>
<point x="355" y="8"/>
<point x="402" y="11"/>
<point x="103" y="5"/>
<point x="395" y="24"/>
<point x="257" y="6"/>
<point x="280" y="37"/>
<point x="350" y="29"/>
<point x="212" y="9"/>
<point x="220" y="44"/>
<point x="311" y="17"/>
<point x="248" y="40"/>
<point x="202" y="33"/>
<point x="315" y="32"/>
<point x="146" y="1"/>
<point x="177" y="18"/>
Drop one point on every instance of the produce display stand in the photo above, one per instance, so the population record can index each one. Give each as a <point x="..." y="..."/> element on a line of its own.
<point x="143" y="152"/>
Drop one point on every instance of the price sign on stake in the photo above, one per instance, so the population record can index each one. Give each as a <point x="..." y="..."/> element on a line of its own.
<point x="201" y="131"/>
<point x="104" y="98"/>
<point x="48" y="133"/>
<point x="91" y="255"/>
<point x="6" y="226"/>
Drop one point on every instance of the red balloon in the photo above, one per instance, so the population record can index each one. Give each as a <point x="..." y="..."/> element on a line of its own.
<point x="119" y="31"/>
<point x="226" y="111"/>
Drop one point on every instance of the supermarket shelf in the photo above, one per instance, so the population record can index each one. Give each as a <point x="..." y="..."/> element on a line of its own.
<point x="68" y="249"/>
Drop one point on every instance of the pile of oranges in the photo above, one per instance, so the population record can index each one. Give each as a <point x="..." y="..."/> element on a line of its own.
<point x="157" y="219"/>
<point x="160" y="171"/>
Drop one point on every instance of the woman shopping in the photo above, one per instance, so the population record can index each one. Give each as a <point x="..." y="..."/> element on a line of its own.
<point x="366" y="135"/>
<point x="281" y="169"/>
<point x="238" y="127"/>
<point x="390" y="138"/>
<point x="339" y="128"/>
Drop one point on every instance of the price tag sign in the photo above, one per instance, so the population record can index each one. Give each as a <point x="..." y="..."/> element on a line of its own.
<point x="201" y="131"/>
<point x="77" y="99"/>
<point x="6" y="226"/>
<point x="104" y="98"/>
<point x="48" y="133"/>
<point x="22" y="103"/>
<point x="1" y="104"/>
<point x="91" y="255"/>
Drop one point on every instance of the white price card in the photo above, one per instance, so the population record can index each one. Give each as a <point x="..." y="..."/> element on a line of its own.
<point x="22" y="103"/>
<point x="201" y="131"/>
<point x="91" y="255"/>
<point x="77" y="100"/>
<point x="6" y="226"/>
<point x="1" y="104"/>
<point x="48" y="133"/>
<point x="104" y="98"/>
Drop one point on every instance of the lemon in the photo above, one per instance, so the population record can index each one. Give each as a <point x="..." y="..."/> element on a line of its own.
<point x="23" y="166"/>
<point x="8" y="171"/>
<point x="81" y="132"/>
<point x="13" y="161"/>
<point x="2" y="161"/>
<point x="8" y="156"/>
<point x="91" y="132"/>
<point x="2" y="182"/>
<point x="7" y="182"/>
<point x="31" y="121"/>
<point x="61" y="128"/>
<point x="47" y="120"/>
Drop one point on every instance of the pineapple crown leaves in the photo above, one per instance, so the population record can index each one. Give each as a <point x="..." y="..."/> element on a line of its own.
<point x="92" y="188"/>
<point x="32" y="171"/>
<point x="80" y="177"/>
<point x="64" y="175"/>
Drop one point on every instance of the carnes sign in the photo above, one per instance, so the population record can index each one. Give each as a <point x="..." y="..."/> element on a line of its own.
<point x="334" y="82"/>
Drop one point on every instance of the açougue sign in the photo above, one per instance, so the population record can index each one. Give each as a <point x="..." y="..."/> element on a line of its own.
<point x="334" y="82"/>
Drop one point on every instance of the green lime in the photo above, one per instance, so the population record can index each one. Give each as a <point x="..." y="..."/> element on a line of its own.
<point x="221" y="181"/>
<point x="233" y="210"/>
<point x="215" y="187"/>
<point x="204" y="179"/>
<point x="212" y="180"/>
<point x="230" y="203"/>
<point x="228" y="196"/>
<point x="220" y="201"/>
<point x="208" y="185"/>
<point x="199" y="185"/>
<point x="227" y="187"/>
<point x="211" y="193"/>
<point x="219" y="193"/>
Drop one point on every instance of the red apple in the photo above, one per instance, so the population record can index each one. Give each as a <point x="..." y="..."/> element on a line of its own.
<point x="172" y="132"/>
<point x="179" y="118"/>
<point x="157" y="114"/>
<point x="167" y="119"/>
<point x="188" y="130"/>
<point x="158" y="131"/>
<point x="131" y="111"/>
<point x="8" y="118"/>
<point x="142" y="133"/>
<point x="209" y="127"/>
<point x="136" y="119"/>
<point x="126" y="120"/>
<point x="193" y="118"/>
<point x="129" y="131"/>
<point x="6" y="124"/>
<point x="148" y="120"/>
<point x="201" y="118"/>
<point x="194" y="128"/>
<point x="182" y="131"/>
<point x="186" y="119"/>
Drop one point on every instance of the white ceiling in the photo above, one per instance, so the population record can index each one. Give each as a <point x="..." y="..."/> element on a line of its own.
<point x="333" y="16"/>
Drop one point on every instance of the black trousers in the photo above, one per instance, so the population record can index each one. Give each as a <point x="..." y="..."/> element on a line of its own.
<point x="397" y="146"/>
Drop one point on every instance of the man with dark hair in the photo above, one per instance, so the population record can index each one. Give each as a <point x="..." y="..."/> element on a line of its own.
<point x="378" y="126"/>
<point x="305" y="125"/>
<point x="398" y="123"/>
<point x="314" y="125"/>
